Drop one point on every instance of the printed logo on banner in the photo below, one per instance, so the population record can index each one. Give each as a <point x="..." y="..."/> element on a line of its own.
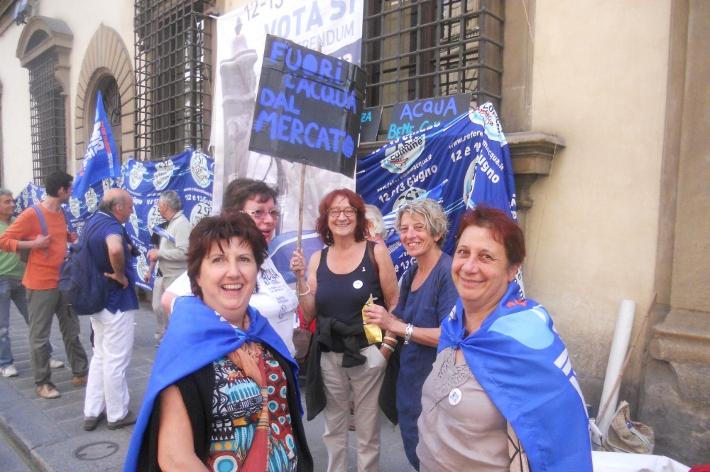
<point x="163" y="173"/>
<point x="74" y="207"/>
<point x="136" y="175"/>
<point x="400" y="157"/>
<point x="469" y="182"/>
<point x="199" y="211"/>
<point x="154" y="216"/>
<point x="411" y="194"/>
<point x="142" y="264"/>
<point x="92" y="200"/>
<point x="133" y="220"/>
<point x="199" y="170"/>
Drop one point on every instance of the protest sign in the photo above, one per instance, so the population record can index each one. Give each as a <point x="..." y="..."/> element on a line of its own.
<point x="461" y="162"/>
<point x="308" y="107"/>
<point x="333" y="27"/>
<point x="408" y="117"/>
<point x="370" y="123"/>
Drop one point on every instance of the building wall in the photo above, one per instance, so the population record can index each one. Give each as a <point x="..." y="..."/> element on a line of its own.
<point x="83" y="17"/>
<point x="592" y="231"/>
<point x="675" y="397"/>
<point x="16" y="142"/>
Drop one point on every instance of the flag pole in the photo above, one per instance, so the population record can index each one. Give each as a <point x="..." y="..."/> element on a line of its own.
<point x="299" y="235"/>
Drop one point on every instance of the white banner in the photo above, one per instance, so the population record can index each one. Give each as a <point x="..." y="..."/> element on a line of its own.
<point x="332" y="26"/>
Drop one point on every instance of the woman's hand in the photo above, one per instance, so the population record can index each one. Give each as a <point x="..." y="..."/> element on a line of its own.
<point x="298" y="264"/>
<point x="386" y="353"/>
<point x="380" y="316"/>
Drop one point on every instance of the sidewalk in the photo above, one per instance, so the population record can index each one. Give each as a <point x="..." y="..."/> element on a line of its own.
<point x="51" y="432"/>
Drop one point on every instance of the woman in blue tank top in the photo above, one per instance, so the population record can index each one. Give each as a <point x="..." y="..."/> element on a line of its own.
<point x="341" y="279"/>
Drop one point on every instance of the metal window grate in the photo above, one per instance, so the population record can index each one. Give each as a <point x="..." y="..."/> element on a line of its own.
<point x="48" y="122"/>
<point x="172" y="62"/>
<point x="416" y="49"/>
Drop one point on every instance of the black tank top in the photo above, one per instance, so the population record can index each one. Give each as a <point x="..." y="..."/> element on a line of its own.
<point x="342" y="296"/>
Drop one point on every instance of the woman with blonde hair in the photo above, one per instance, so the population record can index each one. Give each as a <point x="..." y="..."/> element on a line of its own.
<point x="427" y="295"/>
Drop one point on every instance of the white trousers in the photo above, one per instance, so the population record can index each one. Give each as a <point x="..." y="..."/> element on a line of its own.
<point x="364" y="382"/>
<point x="106" y="387"/>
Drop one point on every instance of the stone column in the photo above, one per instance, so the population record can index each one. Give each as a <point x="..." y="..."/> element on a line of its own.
<point x="675" y="398"/>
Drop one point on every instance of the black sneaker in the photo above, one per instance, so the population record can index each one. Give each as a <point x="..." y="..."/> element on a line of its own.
<point x="91" y="422"/>
<point x="127" y="420"/>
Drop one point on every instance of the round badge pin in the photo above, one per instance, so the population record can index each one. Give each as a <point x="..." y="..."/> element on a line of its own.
<point x="357" y="285"/>
<point x="455" y="397"/>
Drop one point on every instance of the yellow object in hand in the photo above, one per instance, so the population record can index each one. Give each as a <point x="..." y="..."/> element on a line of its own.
<point x="372" y="331"/>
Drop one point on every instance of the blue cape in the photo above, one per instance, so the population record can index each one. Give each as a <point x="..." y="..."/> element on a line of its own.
<point x="195" y="337"/>
<point x="521" y="362"/>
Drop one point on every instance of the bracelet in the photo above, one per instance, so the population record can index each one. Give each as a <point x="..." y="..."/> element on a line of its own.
<point x="388" y="347"/>
<point x="306" y="292"/>
<point x="390" y="338"/>
<point x="408" y="333"/>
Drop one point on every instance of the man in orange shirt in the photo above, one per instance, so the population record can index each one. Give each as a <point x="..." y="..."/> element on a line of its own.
<point x="41" y="277"/>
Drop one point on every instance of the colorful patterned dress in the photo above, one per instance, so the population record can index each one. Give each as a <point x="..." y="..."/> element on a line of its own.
<point x="236" y="404"/>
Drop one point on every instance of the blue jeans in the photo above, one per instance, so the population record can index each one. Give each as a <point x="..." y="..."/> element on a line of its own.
<point x="10" y="290"/>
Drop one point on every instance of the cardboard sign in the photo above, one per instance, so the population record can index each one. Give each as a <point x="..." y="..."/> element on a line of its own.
<point x="409" y="117"/>
<point x="370" y="123"/>
<point x="308" y="107"/>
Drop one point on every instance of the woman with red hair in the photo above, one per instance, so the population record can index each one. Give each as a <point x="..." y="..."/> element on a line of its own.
<point x="499" y="362"/>
<point x="342" y="278"/>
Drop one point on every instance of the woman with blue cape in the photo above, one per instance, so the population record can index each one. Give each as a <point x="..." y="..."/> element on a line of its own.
<point x="222" y="394"/>
<point x="499" y="363"/>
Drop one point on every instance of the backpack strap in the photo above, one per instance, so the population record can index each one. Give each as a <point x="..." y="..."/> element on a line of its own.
<point x="42" y="222"/>
<point x="40" y="217"/>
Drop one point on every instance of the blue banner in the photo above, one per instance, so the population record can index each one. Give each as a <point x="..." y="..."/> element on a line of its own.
<point x="191" y="174"/>
<point x="33" y="194"/>
<point x="28" y="196"/>
<point x="101" y="160"/>
<point x="82" y="207"/>
<point x="460" y="163"/>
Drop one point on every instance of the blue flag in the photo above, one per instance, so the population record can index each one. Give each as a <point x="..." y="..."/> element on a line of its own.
<point x="459" y="163"/>
<point x="101" y="160"/>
